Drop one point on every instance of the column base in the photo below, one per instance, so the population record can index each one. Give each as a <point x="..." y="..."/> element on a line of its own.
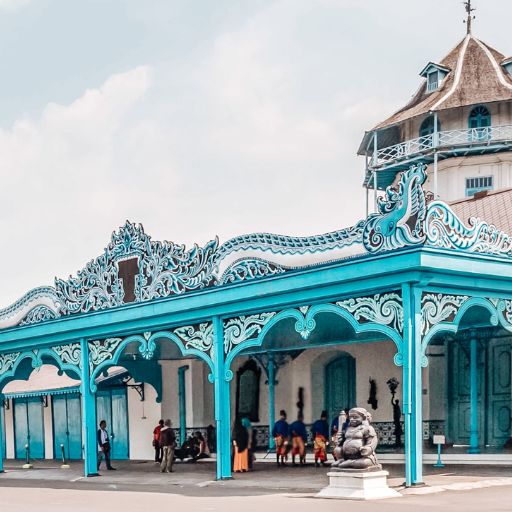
<point x="358" y="485"/>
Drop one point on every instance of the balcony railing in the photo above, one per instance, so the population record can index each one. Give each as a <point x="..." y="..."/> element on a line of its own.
<point x="471" y="137"/>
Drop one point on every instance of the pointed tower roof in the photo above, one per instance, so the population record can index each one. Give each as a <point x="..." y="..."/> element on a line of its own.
<point x="475" y="75"/>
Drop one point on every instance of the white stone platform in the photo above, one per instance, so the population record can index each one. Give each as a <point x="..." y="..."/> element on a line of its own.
<point x="358" y="485"/>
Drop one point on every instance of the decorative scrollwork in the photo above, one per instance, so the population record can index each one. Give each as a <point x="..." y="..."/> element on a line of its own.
<point x="385" y="309"/>
<point x="7" y="361"/>
<point x="101" y="350"/>
<point x="250" y="269"/>
<point x="243" y="328"/>
<point x="437" y="307"/>
<point x="39" y="314"/>
<point x="401" y="214"/>
<point x="199" y="337"/>
<point x="69" y="354"/>
<point x="444" y="229"/>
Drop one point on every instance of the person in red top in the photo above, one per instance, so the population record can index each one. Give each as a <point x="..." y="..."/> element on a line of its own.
<point x="156" y="442"/>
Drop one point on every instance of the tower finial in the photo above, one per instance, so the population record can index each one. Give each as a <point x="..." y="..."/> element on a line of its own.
<point x="470" y="16"/>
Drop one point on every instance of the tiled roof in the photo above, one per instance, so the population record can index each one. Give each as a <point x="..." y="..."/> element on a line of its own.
<point x="493" y="207"/>
<point x="475" y="76"/>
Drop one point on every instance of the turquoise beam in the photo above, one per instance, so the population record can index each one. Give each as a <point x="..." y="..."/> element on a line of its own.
<point x="183" y="403"/>
<point x="473" y="394"/>
<point x="88" y="416"/>
<point x="412" y="386"/>
<point x="271" y="373"/>
<point x="2" y="423"/>
<point x="222" y="403"/>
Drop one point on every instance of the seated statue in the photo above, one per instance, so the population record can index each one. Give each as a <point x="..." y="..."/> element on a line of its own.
<point x="356" y="446"/>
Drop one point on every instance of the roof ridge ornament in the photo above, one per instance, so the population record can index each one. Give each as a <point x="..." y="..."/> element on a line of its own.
<point x="470" y="16"/>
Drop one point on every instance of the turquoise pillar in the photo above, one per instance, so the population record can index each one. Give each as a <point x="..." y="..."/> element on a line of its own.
<point x="183" y="403"/>
<point x="473" y="394"/>
<point x="222" y="403"/>
<point x="88" y="416"/>
<point x="271" y="373"/>
<point x="2" y="434"/>
<point x="412" y="386"/>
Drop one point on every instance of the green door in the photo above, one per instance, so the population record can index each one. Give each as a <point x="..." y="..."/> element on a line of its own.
<point x="67" y="426"/>
<point x="340" y="385"/>
<point x="29" y="427"/>
<point x="112" y="406"/>
<point x="494" y="392"/>
<point x="499" y="393"/>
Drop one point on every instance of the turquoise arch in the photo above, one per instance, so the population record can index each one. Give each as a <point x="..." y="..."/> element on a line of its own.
<point x="306" y="322"/>
<point x="496" y="318"/>
<point x="146" y="349"/>
<point x="22" y="371"/>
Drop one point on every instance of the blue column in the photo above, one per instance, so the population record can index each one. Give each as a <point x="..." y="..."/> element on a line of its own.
<point x="183" y="403"/>
<point x="222" y="403"/>
<point x="88" y="416"/>
<point x="2" y="422"/>
<point x="473" y="394"/>
<point x="412" y="386"/>
<point x="271" y="373"/>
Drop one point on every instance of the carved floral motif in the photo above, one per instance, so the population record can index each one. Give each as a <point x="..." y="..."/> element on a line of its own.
<point x="199" y="337"/>
<point x="240" y="329"/>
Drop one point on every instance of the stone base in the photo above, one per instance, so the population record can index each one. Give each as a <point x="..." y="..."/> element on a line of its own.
<point x="358" y="485"/>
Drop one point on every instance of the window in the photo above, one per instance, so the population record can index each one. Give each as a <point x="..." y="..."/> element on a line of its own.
<point x="479" y="123"/>
<point x="474" y="185"/>
<point x="427" y="126"/>
<point x="433" y="81"/>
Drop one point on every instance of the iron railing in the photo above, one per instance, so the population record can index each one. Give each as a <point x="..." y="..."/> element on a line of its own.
<point x="470" y="137"/>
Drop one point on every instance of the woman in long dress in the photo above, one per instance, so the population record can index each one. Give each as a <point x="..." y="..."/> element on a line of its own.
<point x="240" y="447"/>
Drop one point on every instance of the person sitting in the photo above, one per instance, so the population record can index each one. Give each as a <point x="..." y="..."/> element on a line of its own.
<point x="203" y="448"/>
<point x="280" y="433"/>
<point x="299" y="439"/>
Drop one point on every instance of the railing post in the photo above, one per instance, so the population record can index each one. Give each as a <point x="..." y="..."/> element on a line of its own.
<point x="435" y="143"/>
<point x="88" y="415"/>
<point x="222" y="403"/>
<point x="375" y="161"/>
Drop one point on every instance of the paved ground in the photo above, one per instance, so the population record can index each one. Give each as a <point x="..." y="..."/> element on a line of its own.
<point x="50" y="500"/>
<point x="198" y="480"/>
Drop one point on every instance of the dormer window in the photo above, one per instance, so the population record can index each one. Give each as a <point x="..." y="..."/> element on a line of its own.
<point x="434" y="73"/>
<point x="507" y="65"/>
<point x="432" y="81"/>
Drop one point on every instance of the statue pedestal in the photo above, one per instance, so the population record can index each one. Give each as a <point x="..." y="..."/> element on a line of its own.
<point x="358" y="485"/>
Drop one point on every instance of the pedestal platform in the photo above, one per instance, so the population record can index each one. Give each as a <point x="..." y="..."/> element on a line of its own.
<point x="358" y="485"/>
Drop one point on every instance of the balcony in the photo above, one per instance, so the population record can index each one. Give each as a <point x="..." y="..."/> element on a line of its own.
<point x="449" y="143"/>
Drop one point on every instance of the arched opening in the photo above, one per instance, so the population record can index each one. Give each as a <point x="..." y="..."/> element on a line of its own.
<point x="427" y="127"/>
<point x="469" y="381"/>
<point x="479" y="123"/>
<point x="340" y="384"/>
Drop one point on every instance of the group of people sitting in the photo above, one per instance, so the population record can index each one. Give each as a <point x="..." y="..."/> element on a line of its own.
<point x="294" y="438"/>
<point x="166" y="451"/>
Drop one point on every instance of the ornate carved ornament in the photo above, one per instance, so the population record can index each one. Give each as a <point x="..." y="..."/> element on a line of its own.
<point x="164" y="269"/>
<point x="437" y="308"/>
<point x="385" y="309"/>
<point x="444" y="229"/>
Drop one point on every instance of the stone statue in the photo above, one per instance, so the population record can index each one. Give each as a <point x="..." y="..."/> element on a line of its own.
<point x="356" y="446"/>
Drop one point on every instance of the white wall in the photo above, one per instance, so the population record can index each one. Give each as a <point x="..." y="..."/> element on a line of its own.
<point x="9" y="431"/>
<point x="143" y="416"/>
<point x="48" y="431"/>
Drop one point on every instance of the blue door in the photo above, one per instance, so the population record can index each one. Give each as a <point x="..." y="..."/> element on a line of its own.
<point x="111" y="406"/>
<point x="29" y="427"/>
<point x="340" y="385"/>
<point x="67" y="426"/>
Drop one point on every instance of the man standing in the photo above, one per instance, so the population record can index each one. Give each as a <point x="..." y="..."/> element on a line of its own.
<point x="320" y="433"/>
<point x="280" y="433"/>
<point x="104" y="446"/>
<point x="168" y="443"/>
<point x="299" y="439"/>
<point x="156" y="442"/>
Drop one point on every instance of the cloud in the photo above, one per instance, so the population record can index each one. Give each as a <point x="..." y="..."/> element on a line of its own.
<point x="13" y="5"/>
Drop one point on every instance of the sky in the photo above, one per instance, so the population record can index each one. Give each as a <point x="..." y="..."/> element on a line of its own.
<point x="198" y="118"/>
